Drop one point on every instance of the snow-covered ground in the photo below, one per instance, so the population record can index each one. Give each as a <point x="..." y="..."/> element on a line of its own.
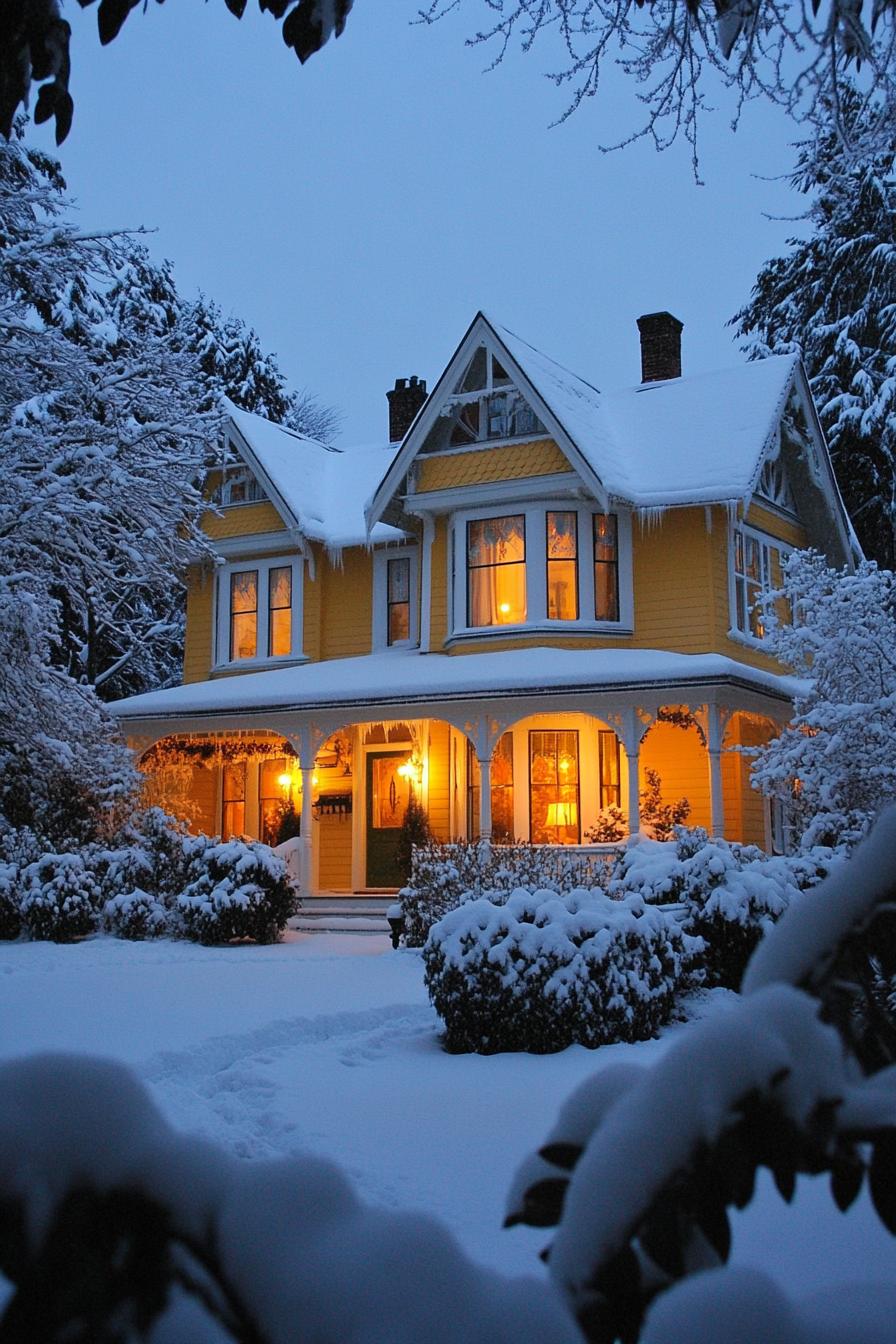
<point x="327" y="1043"/>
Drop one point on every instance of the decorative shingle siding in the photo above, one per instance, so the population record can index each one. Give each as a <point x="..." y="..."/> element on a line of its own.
<point x="516" y="460"/>
<point x="243" y="520"/>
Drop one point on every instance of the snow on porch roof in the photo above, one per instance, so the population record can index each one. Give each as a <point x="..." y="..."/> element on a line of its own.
<point x="407" y="677"/>
<point x="696" y="439"/>
<point x="324" y="488"/>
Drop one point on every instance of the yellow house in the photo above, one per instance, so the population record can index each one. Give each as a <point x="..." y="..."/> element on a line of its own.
<point x="531" y="596"/>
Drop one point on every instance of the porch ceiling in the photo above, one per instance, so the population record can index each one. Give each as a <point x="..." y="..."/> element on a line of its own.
<point x="407" y="684"/>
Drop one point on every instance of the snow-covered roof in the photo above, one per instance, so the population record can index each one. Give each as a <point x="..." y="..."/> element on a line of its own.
<point x="698" y="439"/>
<point x="406" y="677"/>
<point x="323" y="489"/>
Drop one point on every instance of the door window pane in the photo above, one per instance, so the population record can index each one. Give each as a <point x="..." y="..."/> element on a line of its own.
<point x="554" y="787"/>
<point x="496" y="567"/>
<point x="562" y="562"/>
<point x="391" y="793"/>
<point x="244" y="614"/>
<point x="280" y="611"/>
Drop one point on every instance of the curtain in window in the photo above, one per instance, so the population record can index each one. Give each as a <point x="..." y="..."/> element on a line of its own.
<point x="244" y="614"/>
<point x="280" y="611"/>
<point x="562" y="563"/>
<point x="496" y="568"/>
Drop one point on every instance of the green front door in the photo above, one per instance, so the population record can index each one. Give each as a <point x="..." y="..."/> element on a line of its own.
<point x="387" y="800"/>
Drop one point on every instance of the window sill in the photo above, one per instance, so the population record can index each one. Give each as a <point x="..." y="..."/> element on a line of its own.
<point x="565" y="629"/>
<point x="748" y="641"/>
<point x="399" y="647"/>
<point x="257" y="665"/>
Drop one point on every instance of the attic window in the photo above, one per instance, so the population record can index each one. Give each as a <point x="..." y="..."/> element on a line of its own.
<point x="775" y="487"/>
<point x="485" y="405"/>
<point x="239" y="486"/>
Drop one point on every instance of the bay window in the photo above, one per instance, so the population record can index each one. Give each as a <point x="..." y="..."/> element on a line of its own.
<point x="755" y="570"/>
<point x="545" y="567"/>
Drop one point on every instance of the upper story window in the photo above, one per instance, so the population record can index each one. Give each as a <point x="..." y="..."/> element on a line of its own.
<point x="496" y="571"/>
<point x="395" y="598"/>
<point x="755" y="570"/>
<point x="259" y="610"/>
<point x="532" y="568"/>
<point x="239" y="486"/>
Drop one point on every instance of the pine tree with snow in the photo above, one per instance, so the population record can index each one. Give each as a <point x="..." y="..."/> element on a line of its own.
<point x="833" y="766"/>
<point x="832" y="299"/>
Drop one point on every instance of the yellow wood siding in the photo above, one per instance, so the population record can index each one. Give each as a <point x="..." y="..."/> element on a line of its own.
<point x="312" y="606"/>
<point x="680" y="759"/>
<point x="243" y="521"/>
<point x="438" y="607"/>
<point x="790" y="532"/>
<point x="334" y="841"/>
<point x="200" y="625"/>
<point x="513" y="461"/>
<point x="346" y="598"/>
<point x="439" y="779"/>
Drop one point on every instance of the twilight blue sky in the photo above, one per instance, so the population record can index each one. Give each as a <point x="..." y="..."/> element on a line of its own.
<point x="357" y="211"/>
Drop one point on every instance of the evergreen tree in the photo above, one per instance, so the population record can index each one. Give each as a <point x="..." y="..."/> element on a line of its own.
<point x="832" y="299"/>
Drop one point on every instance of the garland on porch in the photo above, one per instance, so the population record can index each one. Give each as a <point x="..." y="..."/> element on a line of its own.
<point x="680" y="718"/>
<point x="209" y="754"/>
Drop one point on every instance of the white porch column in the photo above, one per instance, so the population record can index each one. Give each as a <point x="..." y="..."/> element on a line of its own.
<point x="632" y="756"/>
<point x="714" y="732"/>
<point x="307" y="864"/>
<point x="485" y="797"/>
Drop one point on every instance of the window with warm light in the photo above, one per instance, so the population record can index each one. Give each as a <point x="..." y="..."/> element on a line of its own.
<point x="279" y="784"/>
<point x="233" y="799"/>
<point x="554" y="787"/>
<point x="608" y="767"/>
<point x="259" y="611"/>
<point x="398" y="600"/>
<point x="606" y="567"/>
<point x="503" y="829"/>
<point x="561" y="533"/>
<point x="243" y="614"/>
<point x="496" y="571"/>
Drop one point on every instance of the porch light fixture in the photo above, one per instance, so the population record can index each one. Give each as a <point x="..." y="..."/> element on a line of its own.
<point x="285" y="781"/>
<point x="412" y="770"/>
<point x="562" y="814"/>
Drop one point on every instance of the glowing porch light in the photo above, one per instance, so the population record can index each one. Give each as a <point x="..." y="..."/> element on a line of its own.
<point x="285" y="781"/>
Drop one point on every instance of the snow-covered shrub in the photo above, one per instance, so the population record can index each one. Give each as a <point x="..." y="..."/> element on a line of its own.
<point x="731" y="893"/>
<point x="540" y="971"/>
<point x="609" y="828"/>
<point x="60" y="898"/>
<point x="135" y="1231"/>
<point x="643" y="1165"/>
<point x="168" y="852"/>
<point x="443" y="875"/>
<point x="10" y="912"/>
<point x="136" y="915"/>
<point x="239" y="889"/>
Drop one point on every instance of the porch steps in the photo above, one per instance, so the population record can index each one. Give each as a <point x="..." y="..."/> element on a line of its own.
<point x="343" y="914"/>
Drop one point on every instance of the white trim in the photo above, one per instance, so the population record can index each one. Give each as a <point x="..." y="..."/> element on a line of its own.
<point x="258" y="543"/>
<point x="489" y="493"/>
<point x="380" y="633"/>
<point x="222" y="659"/>
<point x="537" y="621"/>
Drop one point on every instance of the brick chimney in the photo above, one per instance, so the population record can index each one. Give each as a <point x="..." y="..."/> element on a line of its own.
<point x="660" y="347"/>
<point x="405" y="400"/>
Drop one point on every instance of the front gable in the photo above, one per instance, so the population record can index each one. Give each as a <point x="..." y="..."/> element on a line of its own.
<point x="485" y="421"/>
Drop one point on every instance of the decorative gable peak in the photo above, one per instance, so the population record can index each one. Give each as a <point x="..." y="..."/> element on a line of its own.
<point x="774" y="485"/>
<point x="482" y="405"/>
<point x="239" y="485"/>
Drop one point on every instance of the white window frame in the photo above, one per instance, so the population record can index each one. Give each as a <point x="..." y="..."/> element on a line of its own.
<point x="535" y="514"/>
<point x="380" y="633"/>
<point x="767" y="543"/>
<point x="263" y="564"/>
<point x="232" y="476"/>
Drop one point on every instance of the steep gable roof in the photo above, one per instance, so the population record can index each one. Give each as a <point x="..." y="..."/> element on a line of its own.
<point x="318" y="489"/>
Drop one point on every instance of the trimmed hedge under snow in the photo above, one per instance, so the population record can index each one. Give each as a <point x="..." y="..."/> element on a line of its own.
<point x="541" y="971"/>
